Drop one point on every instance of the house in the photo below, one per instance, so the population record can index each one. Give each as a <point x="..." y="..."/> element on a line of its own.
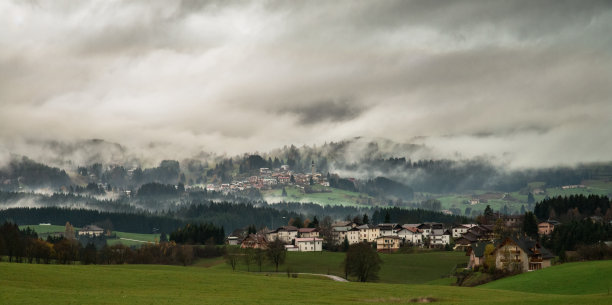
<point x="91" y="230"/>
<point x="547" y="227"/>
<point x="271" y="235"/>
<point x="459" y="230"/>
<point x="521" y="254"/>
<point x="388" y="229"/>
<point x="340" y="233"/>
<point x="428" y="227"/>
<point x="411" y="235"/>
<point x="368" y="233"/>
<point x="255" y="241"/>
<point x="512" y="221"/>
<point x="309" y="244"/>
<point x="287" y="234"/>
<point x="308" y="232"/>
<point x="387" y="244"/>
<point x="233" y="240"/>
<point x="439" y="237"/>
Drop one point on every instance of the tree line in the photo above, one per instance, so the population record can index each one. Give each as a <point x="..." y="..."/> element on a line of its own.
<point x="24" y="246"/>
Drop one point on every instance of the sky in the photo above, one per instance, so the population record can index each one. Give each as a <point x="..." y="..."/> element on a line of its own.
<point x="527" y="82"/>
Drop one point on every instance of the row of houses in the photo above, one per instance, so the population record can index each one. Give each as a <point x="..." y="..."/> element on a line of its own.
<point x="390" y="236"/>
<point x="302" y="239"/>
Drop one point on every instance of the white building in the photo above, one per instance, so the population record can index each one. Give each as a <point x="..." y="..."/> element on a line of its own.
<point x="287" y="234"/>
<point x="368" y="233"/>
<point x="459" y="230"/>
<point x="439" y="237"/>
<point x="91" y="230"/>
<point x="410" y="235"/>
<point x="309" y="244"/>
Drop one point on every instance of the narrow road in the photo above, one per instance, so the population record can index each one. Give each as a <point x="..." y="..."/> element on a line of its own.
<point x="333" y="277"/>
<point x="140" y="241"/>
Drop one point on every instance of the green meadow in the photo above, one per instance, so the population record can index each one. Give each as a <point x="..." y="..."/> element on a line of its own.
<point x="154" y="284"/>
<point x="417" y="268"/>
<point x="572" y="278"/>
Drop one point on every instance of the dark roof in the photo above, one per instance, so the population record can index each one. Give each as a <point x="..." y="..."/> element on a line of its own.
<point x="307" y="230"/>
<point x="531" y="247"/>
<point x="366" y="226"/>
<point x="287" y="228"/>
<point x="479" y="249"/>
<point x="92" y="228"/>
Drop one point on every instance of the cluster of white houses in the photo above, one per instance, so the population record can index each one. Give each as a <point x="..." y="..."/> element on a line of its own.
<point x="302" y="239"/>
<point x="388" y="237"/>
<point x="269" y="178"/>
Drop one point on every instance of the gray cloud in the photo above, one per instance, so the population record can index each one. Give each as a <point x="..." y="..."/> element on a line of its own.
<point x="327" y="110"/>
<point x="524" y="80"/>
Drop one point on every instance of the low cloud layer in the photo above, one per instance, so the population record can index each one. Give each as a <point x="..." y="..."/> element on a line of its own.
<point x="526" y="82"/>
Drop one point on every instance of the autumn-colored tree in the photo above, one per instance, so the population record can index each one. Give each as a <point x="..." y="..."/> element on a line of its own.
<point x="489" y="257"/>
<point x="69" y="231"/>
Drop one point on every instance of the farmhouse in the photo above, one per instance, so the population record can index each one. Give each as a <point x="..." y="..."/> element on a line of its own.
<point x="255" y="241"/>
<point x="91" y="230"/>
<point x="521" y="254"/>
<point x="309" y="244"/>
<point x="387" y="244"/>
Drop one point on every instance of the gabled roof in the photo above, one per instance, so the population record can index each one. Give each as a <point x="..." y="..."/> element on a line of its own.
<point x="366" y="226"/>
<point x="306" y="239"/>
<point x="92" y="228"/>
<point x="342" y="224"/>
<point x="438" y="232"/>
<point x="529" y="246"/>
<point x="388" y="226"/>
<point x="307" y="230"/>
<point x="388" y="236"/>
<point x="412" y="229"/>
<point x="287" y="228"/>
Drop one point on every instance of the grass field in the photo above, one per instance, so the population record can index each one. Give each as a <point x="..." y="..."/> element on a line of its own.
<point x="572" y="278"/>
<point x="153" y="284"/>
<point x="335" y="197"/>
<point x="415" y="268"/>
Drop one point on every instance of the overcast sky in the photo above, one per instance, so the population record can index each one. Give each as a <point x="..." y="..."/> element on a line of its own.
<point x="529" y="82"/>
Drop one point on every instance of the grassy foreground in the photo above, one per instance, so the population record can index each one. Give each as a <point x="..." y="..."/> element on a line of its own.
<point x="573" y="278"/>
<point x="152" y="284"/>
<point x="417" y="268"/>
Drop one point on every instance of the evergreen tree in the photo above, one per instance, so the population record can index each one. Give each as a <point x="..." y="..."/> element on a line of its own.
<point x="530" y="198"/>
<point x="530" y="225"/>
<point x="387" y="217"/>
<point x="365" y="219"/>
